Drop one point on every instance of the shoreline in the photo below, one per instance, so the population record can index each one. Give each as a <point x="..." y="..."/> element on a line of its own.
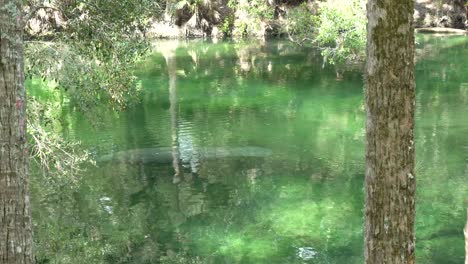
<point x="164" y="30"/>
<point x="441" y="30"/>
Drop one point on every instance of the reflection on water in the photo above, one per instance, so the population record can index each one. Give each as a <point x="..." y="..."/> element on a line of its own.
<point x="252" y="153"/>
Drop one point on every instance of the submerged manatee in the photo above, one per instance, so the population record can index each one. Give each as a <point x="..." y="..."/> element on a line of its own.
<point x="145" y="155"/>
<point x="164" y="155"/>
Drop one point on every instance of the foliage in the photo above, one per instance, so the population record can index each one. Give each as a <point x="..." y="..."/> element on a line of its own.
<point x="241" y="28"/>
<point x="259" y="10"/>
<point x="338" y="29"/>
<point x="89" y="57"/>
<point x="341" y="31"/>
<point x="60" y="160"/>
<point x="88" y="81"/>
<point x="255" y="13"/>
<point x="300" y="24"/>
<point x="227" y="24"/>
<point x="57" y="164"/>
<point x="95" y="51"/>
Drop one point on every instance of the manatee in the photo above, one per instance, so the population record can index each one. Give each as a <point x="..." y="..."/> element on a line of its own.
<point x="163" y="155"/>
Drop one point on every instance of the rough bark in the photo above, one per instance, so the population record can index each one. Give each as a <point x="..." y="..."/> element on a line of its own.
<point x="390" y="100"/>
<point x="15" y="221"/>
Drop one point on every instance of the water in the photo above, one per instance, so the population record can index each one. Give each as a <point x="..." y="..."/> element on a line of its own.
<point x="272" y="161"/>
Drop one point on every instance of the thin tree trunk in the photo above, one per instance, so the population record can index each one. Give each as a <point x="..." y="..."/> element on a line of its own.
<point x="390" y="100"/>
<point x="167" y="11"/>
<point x="15" y="220"/>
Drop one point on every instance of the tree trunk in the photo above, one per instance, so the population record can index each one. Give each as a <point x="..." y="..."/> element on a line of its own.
<point x="167" y="11"/>
<point x="15" y="220"/>
<point x="390" y="100"/>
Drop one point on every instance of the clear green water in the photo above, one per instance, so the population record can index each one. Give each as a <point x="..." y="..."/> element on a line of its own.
<point x="304" y="197"/>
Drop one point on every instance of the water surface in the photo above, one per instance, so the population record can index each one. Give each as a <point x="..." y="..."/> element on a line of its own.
<point x="288" y="187"/>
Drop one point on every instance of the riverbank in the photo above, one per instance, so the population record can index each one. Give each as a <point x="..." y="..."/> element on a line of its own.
<point x="439" y="30"/>
<point x="166" y="30"/>
<point x="280" y="18"/>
